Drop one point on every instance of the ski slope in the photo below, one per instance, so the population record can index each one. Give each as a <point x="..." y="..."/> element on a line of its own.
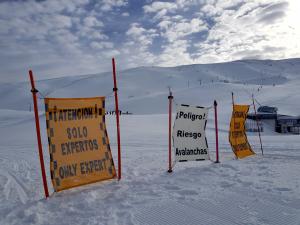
<point x="256" y="190"/>
<point x="142" y="88"/>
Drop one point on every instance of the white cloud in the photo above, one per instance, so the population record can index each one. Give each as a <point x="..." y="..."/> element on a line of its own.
<point x="210" y="10"/>
<point x="161" y="9"/>
<point x="177" y="30"/>
<point x="175" y="54"/>
<point x="140" y="35"/>
<point x="125" y="14"/>
<point x="71" y="37"/>
<point x="108" y="5"/>
<point x="92" y="21"/>
<point x="165" y="24"/>
<point x="101" y="45"/>
<point x="227" y="4"/>
<point x="111" y="53"/>
<point x="257" y="29"/>
<point x="237" y="29"/>
<point x="137" y="46"/>
<point x="52" y="37"/>
<point x="135" y="30"/>
<point x="156" y="7"/>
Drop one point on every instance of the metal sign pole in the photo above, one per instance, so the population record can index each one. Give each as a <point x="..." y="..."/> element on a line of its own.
<point x="261" y="147"/>
<point x="38" y="133"/>
<point x="117" y="118"/>
<point x="216" y="129"/>
<point x="170" y="97"/>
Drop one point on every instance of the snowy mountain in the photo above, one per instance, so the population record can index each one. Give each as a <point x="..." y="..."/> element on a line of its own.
<point x="144" y="90"/>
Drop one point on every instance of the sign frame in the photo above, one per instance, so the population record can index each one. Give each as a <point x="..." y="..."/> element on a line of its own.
<point x="78" y="142"/>
<point x="193" y="130"/>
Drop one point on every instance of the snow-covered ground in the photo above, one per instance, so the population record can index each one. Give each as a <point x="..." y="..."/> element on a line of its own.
<point x="256" y="190"/>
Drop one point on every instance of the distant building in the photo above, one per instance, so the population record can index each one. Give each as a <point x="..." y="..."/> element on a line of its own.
<point x="267" y="109"/>
<point x="280" y="123"/>
<point x="254" y="126"/>
<point x="264" y="113"/>
<point x="288" y="124"/>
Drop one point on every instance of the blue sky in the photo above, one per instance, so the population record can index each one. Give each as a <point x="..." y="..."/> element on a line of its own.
<point x="72" y="37"/>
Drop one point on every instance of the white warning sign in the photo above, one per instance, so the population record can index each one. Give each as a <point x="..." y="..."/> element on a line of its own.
<point x="189" y="138"/>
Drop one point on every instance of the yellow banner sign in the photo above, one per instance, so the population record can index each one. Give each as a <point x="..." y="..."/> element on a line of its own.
<point x="78" y="141"/>
<point x="237" y="133"/>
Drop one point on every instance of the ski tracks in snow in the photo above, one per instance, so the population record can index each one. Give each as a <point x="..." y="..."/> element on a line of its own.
<point x="13" y="186"/>
<point x="231" y="208"/>
<point x="233" y="192"/>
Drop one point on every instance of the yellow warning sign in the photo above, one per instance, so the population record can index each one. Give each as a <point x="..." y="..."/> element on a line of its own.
<point x="237" y="133"/>
<point x="78" y="141"/>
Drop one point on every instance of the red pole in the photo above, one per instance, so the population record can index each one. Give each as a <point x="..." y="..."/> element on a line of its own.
<point x="115" y="89"/>
<point x="261" y="147"/>
<point x="232" y="95"/>
<point x="216" y="128"/>
<point x="170" y="97"/>
<point x="38" y="133"/>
